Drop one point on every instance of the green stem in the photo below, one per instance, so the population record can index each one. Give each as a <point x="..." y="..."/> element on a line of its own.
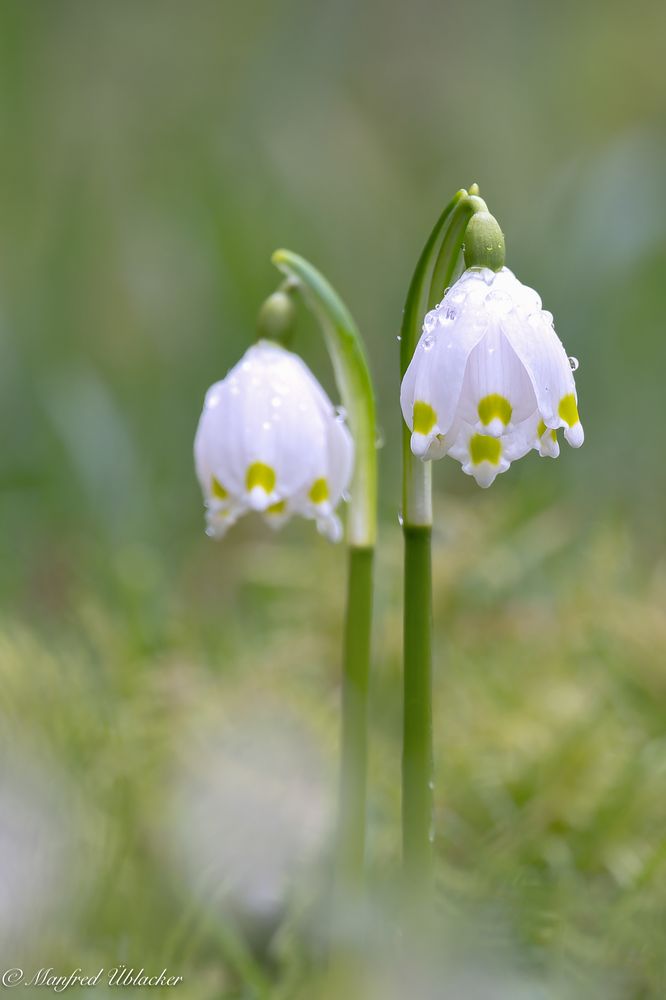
<point x="434" y="272"/>
<point x="355" y="386"/>
<point x="417" y="736"/>
<point x="352" y="376"/>
<point x="354" y="750"/>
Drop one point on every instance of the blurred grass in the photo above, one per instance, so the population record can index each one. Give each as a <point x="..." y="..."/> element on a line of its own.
<point x="550" y="755"/>
<point x="153" y="157"/>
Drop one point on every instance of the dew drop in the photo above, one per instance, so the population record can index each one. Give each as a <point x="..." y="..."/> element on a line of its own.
<point x="346" y="496"/>
<point x="401" y="519"/>
<point x="341" y="413"/>
<point x="429" y="321"/>
<point x="575" y="364"/>
<point x="379" y="438"/>
<point x="398" y="338"/>
<point x="428" y="341"/>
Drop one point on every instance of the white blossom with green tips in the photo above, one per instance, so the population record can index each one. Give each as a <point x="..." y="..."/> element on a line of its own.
<point x="489" y="380"/>
<point x="270" y="440"/>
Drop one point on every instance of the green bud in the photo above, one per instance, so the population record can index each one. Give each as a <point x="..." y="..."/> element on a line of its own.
<point x="484" y="242"/>
<point x="276" y="317"/>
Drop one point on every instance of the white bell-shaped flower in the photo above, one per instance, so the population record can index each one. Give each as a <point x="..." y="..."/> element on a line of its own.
<point x="270" y="440"/>
<point x="490" y="379"/>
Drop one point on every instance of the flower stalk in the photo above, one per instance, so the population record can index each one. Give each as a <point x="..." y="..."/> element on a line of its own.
<point x="434" y="271"/>
<point x="352" y="376"/>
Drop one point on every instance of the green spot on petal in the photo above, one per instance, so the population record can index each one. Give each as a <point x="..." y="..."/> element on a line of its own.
<point x="218" y="490"/>
<point x="277" y="508"/>
<point x="568" y="410"/>
<point x="541" y="430"/>
<point x="495" y="407"/>
<point x="261" y="475"/>
<point x="424" y="417"/>
<point x="319" y="491"/>
<point x="484" y="448"/>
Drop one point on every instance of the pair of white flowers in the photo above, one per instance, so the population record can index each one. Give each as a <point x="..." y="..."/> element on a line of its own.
<point x="489" y="381"/>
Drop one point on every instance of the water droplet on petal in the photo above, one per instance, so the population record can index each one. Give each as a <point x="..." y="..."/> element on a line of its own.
<point x="428" y="341"/>
<point x="575" y="364"/>
<point x="346" y="496"/>
<point x="429" y="321"/>
<point x="340" y="413"/>
<point x="401" y="519"/>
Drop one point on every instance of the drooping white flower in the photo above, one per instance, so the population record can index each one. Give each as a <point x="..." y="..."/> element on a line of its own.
<point x="270" y="440"/>
<point x="489" y="380"/>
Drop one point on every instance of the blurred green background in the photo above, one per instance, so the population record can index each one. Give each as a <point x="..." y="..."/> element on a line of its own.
<point x="153" y="155"/>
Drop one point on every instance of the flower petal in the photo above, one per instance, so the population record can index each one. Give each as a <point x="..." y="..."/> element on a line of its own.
<point x="481" y="455"/>
<point x="540" y="350"/>
<point x="433" y="381"/>
<point x="496" y="390"/>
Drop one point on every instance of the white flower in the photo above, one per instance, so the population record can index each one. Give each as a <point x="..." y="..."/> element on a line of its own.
<point x="490" y="379"/>
<point x="269" y="440"/>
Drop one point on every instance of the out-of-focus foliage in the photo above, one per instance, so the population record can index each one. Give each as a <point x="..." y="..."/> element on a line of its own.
<point x="153" y="155"/>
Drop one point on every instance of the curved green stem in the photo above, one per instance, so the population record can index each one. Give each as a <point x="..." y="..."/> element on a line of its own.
<point x="434" y="271"/>
<point x="355" y="386"/>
